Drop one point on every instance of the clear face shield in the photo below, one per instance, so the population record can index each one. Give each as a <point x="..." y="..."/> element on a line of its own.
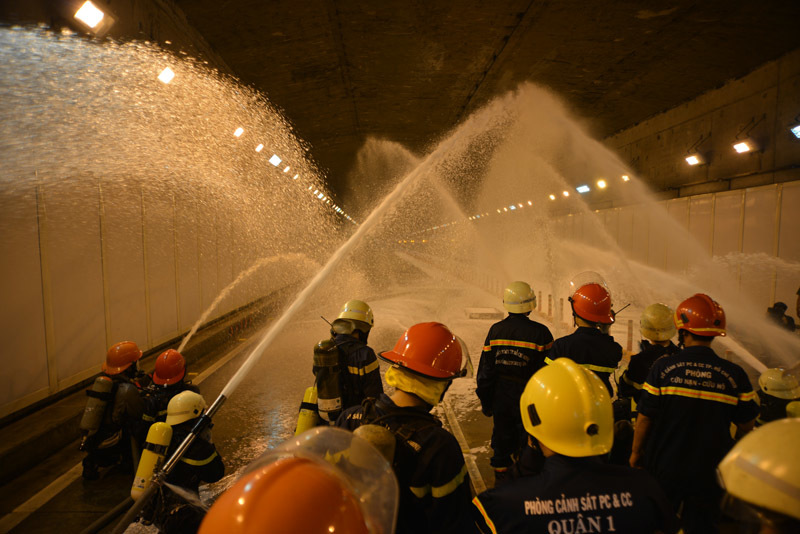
<point x="356" y="462"/>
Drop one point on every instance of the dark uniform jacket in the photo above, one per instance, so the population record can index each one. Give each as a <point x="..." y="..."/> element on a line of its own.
<point x="692" y="398"/>
<point x="428" y="463"/>
<point x="573" y="495"/>
<point x="515" y="348"/>
<point x="361" y="374"/>
<point x="590" y="348"/>
<point x="630" y="385"/>
<point x="200" y="463"/>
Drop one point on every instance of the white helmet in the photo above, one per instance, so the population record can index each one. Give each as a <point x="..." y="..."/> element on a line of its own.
<point x="185" y="406"/>
<point x="656" y="323"/>
<point x="518" y="297"/>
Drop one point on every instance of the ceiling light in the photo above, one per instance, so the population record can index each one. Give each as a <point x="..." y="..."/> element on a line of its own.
<point x="275" y="160"/>
<point x="166" y="75"/>
<point x="90" y="15"/>
<point x="530" y="203"/>
<point x="795" y="130"/>
<point x="498" y="211"/>
<point x="746" y="145"/>
<point x="694" y="159"/>
<point x="505" y="209"/>
<point x="626" y="178"/>
<point x="582" y="189"/>
<point x="601" y="184"/>
<point x="552" y="197"/>
<point x="238" y="132"/>
<point x="295" y="177"/>
<point x="520" y="205"/>
<point x="513" y="207"/>
<point x="565" y="193"/>
<point x="259" y="148"/>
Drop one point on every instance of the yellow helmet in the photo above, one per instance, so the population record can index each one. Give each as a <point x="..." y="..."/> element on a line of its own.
<point x="357" y="310"/>
<point x="656" y="322"/>
<point x="778" y="383"/>
<point x="762" y="470"/>
<point x="184" y="406"/>
<point x="518" y="297"/>
<point x="568" y="409"/>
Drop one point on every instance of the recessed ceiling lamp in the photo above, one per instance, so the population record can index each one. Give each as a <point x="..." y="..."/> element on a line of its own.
<point x="795" y="130"/>
<point x="552" y="197"/>
<point x="259" y="148"/>
<point x="601" y="184"/>
<point x="695" y="159"/>
<point x="275" y="160"/>
<point x="238" y="132"/>
<point x="582" y="189"/>
<point x="746" y="145"/>
<point x="626" y="178"/>
<point x="166" y="75"/>
<point x="94" y="19"/>
<point x="565" y="193"/>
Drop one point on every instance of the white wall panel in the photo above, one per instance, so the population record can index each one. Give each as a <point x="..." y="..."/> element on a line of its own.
<point x="25" y="356"/>
<point x="224" y="261"/>
<point x="787" y="282"/>
<point x="124" y="263"/>
<point x="759" y="220"/>
<point x="626" y="230"/>
<point x="207" y="230"/>
<point x="74" y="265"/>
<point x="186" y="239"/>
<point x="159" y="231"/>
<point x="727" y="222"/>
<point x="657" y="237"/>
<point x="701" y="220"/>
<point x="641" y="229"/>
<point x="677" y="251"/>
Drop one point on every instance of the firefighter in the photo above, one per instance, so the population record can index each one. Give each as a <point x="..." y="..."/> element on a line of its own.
<point x="428" y="463"/>
<point x="174" y="512"/>
<point x="590" y="345"/>
<point x="327" y="480"/>
<point x="763" y="471"/>
<point x="360" y="373"/>
<point x="687" y="406"/>
<point x="777" y="314"/>
<point x="168" y="380"/>
<point x="113" y="441"/>
<point x="777" y="388"/>
<point x="514" y="349"/>
<point x="657" y="328"/>
<point x="567" y="410"/>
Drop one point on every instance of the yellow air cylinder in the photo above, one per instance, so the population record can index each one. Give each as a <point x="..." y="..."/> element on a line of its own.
<point x="99" y="396"/>
<point x="309" y="415"/>
<point x="155" y="449"/>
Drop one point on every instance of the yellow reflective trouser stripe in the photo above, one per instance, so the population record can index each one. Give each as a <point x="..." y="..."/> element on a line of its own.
<point x="361" y="371"/>
<point x="481" y="509"/>
<point x="199" y="462"/>
<point x="441" y="491"/>
<point x="630" y="382"/>
<point x="515" y="343"/>
<point x="750" y="395"/>
<point x="148" y="417"/>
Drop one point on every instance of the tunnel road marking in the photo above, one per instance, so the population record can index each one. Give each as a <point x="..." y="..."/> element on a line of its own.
<point x="18" y="515"/>
<point x="21" y="512"/>
<point x="474" y="473"/>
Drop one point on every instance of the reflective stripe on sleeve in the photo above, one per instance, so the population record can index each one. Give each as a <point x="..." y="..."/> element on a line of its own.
<point x="149" y="418"/>
<point x="748" y="396"/>
<point x="199" y="462"/>
<point x="361" y="371"/>
<point x="515" y="343"/>
<point x="597" y="368"/>
<point x="487" y="348"/>
<point x="441" y="491"/>
<point x="547" y="360"/>
<point x="630" y="382"/>
<point x="482" y="510"/>
<point x="651" y="390"/>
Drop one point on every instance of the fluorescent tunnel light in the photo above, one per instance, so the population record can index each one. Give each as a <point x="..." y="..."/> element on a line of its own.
<point x="582" y="189"/>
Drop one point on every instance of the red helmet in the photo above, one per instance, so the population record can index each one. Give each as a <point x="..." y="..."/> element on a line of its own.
<point x="701" y="315"/>
<point x="170" y="368"/>
<point x="430" y="350"/>
<point x="120" y="356"/>
<point x="592" y="302"/>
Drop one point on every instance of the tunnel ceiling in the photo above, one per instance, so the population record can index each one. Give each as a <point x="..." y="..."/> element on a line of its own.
<point x="410" y="70"/>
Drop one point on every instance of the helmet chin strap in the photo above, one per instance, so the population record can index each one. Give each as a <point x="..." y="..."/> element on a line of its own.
<point x="681" y="335"/>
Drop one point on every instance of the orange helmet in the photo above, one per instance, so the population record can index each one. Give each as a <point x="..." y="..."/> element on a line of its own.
<point x="324" y="480"/>
<point x="120" y="356"/>
<point x="592" y="302"/>
<point x="170" y="368"/>
<point x="430" y="350"/>
<point x="701" y="315"/>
